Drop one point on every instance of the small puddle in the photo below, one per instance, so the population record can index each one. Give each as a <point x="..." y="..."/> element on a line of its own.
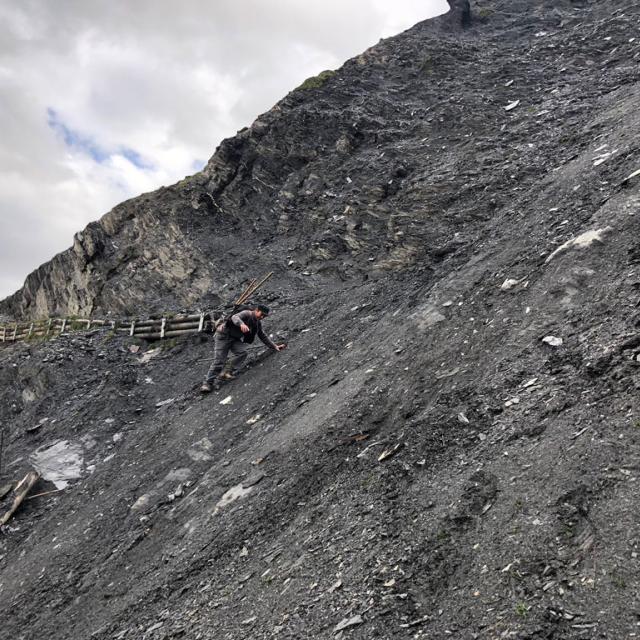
<point x="58" y="463"/>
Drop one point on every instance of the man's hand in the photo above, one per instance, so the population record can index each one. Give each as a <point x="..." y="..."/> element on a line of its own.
<point x="244" y="328"/>
<point x="280" y="347"/>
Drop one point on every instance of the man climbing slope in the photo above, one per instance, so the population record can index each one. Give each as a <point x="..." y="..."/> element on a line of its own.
<point x="233" y="335"/>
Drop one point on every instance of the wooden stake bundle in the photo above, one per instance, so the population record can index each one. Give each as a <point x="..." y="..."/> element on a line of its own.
<point x="252" y="288"/>
<point x="246" y="293"/>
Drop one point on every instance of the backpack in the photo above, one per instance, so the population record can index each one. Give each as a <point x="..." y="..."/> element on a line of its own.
<point x="225" y="317"/>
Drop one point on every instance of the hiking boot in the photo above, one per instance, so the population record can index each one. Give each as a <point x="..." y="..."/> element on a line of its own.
<point x="226" y="376"/>
<point x="205" y="388"/>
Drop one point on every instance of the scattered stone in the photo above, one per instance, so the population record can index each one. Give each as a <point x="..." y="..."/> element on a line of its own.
<point x="37" y="426"/>
<point x="361" y="436"/>
<point x="334" y="586"/>
<point x="462" y="419"/>
<point x="227" y="400"/>
<point x="415" y="623"/>
<point x="141" y="502"/>
<point x="253" y="480"/>
<point x="391" y="451"/>
<point x="348" y="622"/>
<point x="629" y="178"/>
<point x="199" y="451"/>
<point x="427" y="316"/>
<point x="508" y="284"/>
<point x="254" y="419"/>
<point x="577" y="434"/>
<point x="553" y="341"/>
<point x="583" y="241"/>
<point x="134" y="348"/>
<point x="178" y="493"/>
<point x="28" y="396"/>
<point x="232" y="495"/>
<point x="164" y="403"/>
<point x="149" y="355"/>
<point x="448" y="374"/>
<point x="511" y="106"/>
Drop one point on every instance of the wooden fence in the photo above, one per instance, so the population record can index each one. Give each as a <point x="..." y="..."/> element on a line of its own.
<point x="153" y="329"/>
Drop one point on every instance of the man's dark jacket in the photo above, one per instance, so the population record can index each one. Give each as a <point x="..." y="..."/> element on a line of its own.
<point x="232" y="328"/>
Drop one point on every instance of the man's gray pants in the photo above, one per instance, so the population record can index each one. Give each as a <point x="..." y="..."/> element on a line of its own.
<point x="223" y="344"/>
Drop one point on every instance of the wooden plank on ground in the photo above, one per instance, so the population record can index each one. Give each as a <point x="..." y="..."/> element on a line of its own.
<point x="16" y="497"/>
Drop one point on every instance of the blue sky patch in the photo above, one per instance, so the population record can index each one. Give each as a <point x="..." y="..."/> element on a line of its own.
<point x="86" y="144"/>
<point x="74" y="139"/>
<point x="135" y="158"/>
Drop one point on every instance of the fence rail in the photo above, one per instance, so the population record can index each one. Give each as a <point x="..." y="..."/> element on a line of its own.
<point x="149" y="329"/>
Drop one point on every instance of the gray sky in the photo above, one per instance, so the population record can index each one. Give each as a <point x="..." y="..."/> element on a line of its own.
<point x="102" y="100"/>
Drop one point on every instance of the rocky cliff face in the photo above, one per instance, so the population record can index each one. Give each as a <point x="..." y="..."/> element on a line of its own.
<point x="448" y="446"/>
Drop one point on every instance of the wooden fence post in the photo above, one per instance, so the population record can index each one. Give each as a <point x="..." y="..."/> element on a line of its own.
<point x="163" y="328"/>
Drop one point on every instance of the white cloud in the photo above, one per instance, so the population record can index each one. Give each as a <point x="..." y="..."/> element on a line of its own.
<point x="147" y="88"/>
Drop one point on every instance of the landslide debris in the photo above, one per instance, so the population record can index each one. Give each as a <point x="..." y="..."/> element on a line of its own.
<point x="448" y="447"/>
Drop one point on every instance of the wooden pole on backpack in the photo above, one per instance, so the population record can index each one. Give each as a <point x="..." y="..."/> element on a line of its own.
<point x="252" y="289"/>
<point x="246" y="293"/>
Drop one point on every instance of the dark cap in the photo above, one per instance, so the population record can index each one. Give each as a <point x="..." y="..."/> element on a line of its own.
<point x="263" y="307"/>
